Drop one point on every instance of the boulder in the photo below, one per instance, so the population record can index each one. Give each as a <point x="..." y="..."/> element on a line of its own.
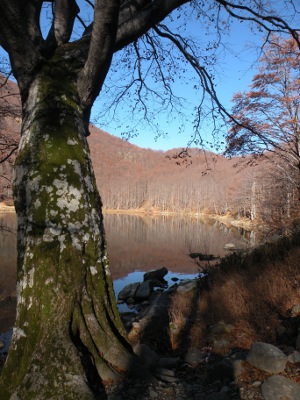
<point x="166" y="375"/>
<point x="143" y="291"/>
<point x="128" y="291"/>
<point x="156" y="274"/>
<point x="148" y="357"/>
<point x="294" y="357"/>
<point x="161" y="283"/>
<point x="267" y="358"/>
<point x="278" y="387"/>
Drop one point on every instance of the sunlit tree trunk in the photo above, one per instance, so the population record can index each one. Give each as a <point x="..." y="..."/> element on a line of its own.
<point x="68" y="327"/>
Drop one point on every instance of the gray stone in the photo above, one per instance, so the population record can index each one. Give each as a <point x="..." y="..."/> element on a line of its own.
<point x="294" y="358"/>
<point x="156" y="274"/>
<point x="152" y="393"/>
<point x="278" y="387"/>
<point x="143" y="291"/>
<point x="165" y="375"/>
<point x="165" y="371"/>
<point x="267" y="358"/>
<point x="194" y="357"/>
<point x="130" y="300"/>
<point x="148" y="357"/>
<point x="128" y="318"/>
<point x="256" y="383"/>
<point x="128" y="291"/>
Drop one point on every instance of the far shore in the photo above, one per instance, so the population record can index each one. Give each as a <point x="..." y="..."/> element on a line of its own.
<point x="224" y="219"/>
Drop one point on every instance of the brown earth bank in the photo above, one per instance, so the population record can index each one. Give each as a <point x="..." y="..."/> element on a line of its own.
<point x="198" y="337"/>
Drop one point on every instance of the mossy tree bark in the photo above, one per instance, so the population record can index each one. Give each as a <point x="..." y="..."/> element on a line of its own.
<point x="68" y="327"/>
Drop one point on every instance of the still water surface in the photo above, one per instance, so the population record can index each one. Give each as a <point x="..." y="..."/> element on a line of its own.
<point x="137" y="244"/>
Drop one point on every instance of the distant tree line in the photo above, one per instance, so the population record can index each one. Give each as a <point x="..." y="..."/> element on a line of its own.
<point x="258" y="192"/>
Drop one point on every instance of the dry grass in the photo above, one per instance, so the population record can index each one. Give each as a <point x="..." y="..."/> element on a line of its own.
<point x="252" y="293"/>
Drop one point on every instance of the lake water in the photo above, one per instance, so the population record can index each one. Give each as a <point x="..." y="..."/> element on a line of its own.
<point x="136" y="244"/>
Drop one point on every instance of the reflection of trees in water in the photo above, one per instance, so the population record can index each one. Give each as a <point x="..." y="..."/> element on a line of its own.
<point x="141" y="243"/>
<point x="146" y="242"/>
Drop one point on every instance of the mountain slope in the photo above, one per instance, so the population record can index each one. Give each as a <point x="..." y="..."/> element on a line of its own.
<point x="130" y="177"/>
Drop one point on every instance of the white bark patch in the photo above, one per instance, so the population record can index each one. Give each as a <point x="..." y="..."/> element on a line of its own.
<point x="93" y="270"/>
<point x="72" y="142"/>
<point x="76" y="243"/>
<point x="18" y="333"/>
<point x="37" y="203"/>
<point x="53" y="213"/>
<point x="61" y="240"/>
<point x="34" y="182"/>
<point x="23" y="284"/>
<point x="49" y="189"/>
<point x="107" y="270"/>
<point x="48" y="281"/>
<point x="25" y="138"/>
<point x="68" y="196"/>
<point x="88" y="183"/>
<point x="50" y="233"/>
<point x="31" y="278"/>
<point x="86" y="237"/>
<point x="76" y="165"/>
<point x="30" y="303"/>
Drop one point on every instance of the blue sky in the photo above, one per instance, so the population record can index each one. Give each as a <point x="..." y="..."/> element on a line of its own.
<point x="233" y="72"/>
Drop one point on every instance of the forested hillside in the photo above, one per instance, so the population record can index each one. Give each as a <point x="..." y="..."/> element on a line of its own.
<point x="130" y="177"/>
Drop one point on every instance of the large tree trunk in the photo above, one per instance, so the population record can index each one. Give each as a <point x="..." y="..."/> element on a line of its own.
<point x="68" y="328"/>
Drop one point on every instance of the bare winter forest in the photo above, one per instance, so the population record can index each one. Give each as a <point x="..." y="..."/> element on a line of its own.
<point x="132" y="178"/>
